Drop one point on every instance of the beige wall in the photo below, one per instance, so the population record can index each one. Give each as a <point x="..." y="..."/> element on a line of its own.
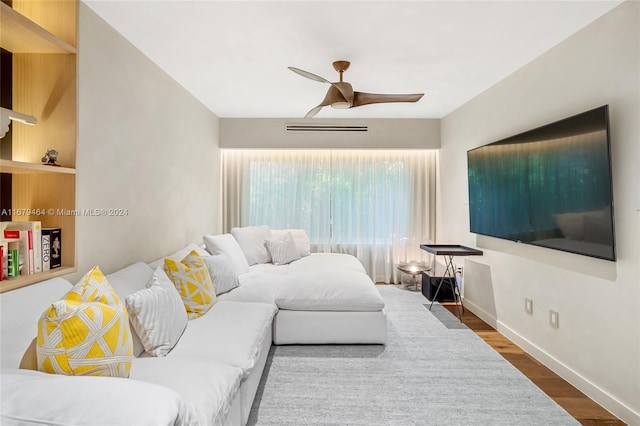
<point x="269" y="133"/>
<point x="144" y="145"/>
<point x="597" y="346"/>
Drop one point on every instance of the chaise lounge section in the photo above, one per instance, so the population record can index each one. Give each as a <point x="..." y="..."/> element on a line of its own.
<point x="322" y="298"/>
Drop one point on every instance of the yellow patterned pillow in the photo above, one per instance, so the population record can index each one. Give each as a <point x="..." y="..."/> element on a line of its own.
<point x="87" y="332"/>
<point x="193" y="282"/>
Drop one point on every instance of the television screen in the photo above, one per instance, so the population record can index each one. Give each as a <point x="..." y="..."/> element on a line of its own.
<point x="549" y="186"/>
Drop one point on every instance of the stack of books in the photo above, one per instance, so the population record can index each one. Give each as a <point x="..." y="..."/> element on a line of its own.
<point x="26" y="248"/>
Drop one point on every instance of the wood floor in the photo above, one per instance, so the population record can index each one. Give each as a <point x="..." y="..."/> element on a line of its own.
<point x="583" y="409"/>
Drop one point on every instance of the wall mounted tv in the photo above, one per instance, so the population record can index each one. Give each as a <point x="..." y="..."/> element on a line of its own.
<point x="549" y="186"/>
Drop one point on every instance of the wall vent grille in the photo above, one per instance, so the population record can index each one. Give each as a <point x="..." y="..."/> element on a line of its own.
<point x="325" y="128"/>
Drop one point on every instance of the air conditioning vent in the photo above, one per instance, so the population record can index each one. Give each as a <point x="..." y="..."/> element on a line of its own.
<point x="325" y="128"/>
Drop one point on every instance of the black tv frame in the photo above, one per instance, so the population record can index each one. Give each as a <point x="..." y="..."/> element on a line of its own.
<point x="558" y="129"/>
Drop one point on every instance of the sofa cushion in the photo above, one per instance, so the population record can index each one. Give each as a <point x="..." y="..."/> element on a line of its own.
<point x="251" y="240"/>
<point x="208" y="386"/>
<point x="259" y="287"/>
<point x="226" y="244"/>
<point x="192" y="280"/>
<point x="20" y="311"/>
<point x="223" y="274"/>
<point x="325" y="261"/>
<point x="283" y="249"/>
<point x="127" y="281"/>
<point x="179" y="255"/>
<point x="157" y="314"/>
<point x="269" y="268"/>
<point x="329" y="290"/>
<point x="299" y="236"/>
<point x="130" y="279"/>
<point x="231" y="332"/>
<point x="32" y="397"/>
<point x="86" y="332"/>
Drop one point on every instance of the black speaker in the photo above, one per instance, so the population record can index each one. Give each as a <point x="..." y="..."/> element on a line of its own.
<point x="430" y="286"/>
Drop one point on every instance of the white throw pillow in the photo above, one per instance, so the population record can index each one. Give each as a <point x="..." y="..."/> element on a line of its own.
<point x="251" y="241"/>
<point x="223" y="274"/>
<point x="283" y="250"/>
<point x="157" y="314"/>
<point x="226" y="244"/>
<point x="299" y="236"/>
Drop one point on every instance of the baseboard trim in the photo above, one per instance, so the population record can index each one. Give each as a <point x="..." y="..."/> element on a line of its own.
<point x="599" y="395"/>
<point x="481" y="313"/>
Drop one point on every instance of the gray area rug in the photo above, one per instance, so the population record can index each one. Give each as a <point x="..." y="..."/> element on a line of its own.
<point x="443" y="315"/>
<point x="427" y="374"/>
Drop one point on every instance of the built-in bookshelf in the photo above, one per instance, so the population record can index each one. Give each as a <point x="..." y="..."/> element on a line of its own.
<point x="19" y="167"/>
<point x="41" y="36"/>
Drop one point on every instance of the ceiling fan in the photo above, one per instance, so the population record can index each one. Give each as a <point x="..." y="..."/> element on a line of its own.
<point x="341" y="94"/>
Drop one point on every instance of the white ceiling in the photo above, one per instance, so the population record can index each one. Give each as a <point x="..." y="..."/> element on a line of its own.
<point x="233" y="55"/>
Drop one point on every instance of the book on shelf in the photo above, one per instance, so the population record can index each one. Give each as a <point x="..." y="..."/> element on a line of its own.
<point x="34" y="241"/>
<point x="8" y="263"/>
<point x="11" y="262"/>
<point x="13" y="259"/>
<point x="25" y="247"/>
<point x="53" y="238"/>
<point x="46" y="251"/>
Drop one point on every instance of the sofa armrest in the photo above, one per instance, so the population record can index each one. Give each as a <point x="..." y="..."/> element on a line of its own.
<point x="33" y="397"/>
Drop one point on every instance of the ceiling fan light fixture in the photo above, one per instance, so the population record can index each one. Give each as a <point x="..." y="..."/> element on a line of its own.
<point x="341" y="105"/>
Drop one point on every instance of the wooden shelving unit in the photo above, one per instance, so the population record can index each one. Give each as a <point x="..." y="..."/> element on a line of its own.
<point x="21" y="35"/>
<point x="41" y="35"/>
<point x="32" y="279"/>
<point x="18" y="167"/>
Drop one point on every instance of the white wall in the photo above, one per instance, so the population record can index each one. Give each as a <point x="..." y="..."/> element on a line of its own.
<point x="269" y="133"/>
<point x="145" y="145"/>
<point x="597" y="346"/>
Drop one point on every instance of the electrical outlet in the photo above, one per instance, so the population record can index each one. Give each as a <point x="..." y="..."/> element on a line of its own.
<point x="528" y="306"/>
<point x="554" y="319"/>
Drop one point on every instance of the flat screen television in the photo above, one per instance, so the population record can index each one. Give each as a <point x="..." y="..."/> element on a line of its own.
<point x="550" y="186"/>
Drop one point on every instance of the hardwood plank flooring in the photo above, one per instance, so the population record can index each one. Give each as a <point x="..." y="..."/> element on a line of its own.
<point x="577" y="404"/>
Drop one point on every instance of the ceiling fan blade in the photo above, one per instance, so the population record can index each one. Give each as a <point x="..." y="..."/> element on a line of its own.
<point x="345" y="90"/>
<point x="360" y="98"/>
<point x="313" y="112"/>
<point x="333" y="95"/>
<point x="309" y="75"/>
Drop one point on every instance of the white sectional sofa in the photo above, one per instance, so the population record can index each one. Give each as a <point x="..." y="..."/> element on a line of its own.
<point x="212" y="374"/>
<point x="322" y="298"/>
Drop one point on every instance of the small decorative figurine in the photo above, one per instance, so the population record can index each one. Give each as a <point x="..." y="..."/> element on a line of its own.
<point x="50" y="158"/>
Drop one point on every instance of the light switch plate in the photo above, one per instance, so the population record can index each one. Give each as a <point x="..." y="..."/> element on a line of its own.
<point x="554" y="319"/>
<point x="528" y="306"/>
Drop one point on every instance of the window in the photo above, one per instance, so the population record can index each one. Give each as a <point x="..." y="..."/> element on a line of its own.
<point x="355" y="201"/>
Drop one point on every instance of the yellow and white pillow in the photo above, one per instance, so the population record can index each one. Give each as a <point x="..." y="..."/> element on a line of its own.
<point x="87" y="332"/>
<point x="192" y="280"/>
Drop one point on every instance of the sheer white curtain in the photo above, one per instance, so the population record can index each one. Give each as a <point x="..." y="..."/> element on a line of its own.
<point x="377" y="205"/>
